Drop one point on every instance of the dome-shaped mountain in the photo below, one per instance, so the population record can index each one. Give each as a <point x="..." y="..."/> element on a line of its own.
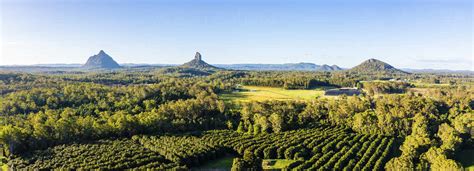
<point x="197" y="62"/>
<point x="101" y="60"/>
<point x="374" y="66"/>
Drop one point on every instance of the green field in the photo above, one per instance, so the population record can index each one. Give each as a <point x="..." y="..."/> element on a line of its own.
<point x="257" y="93"/>
<point x="277" y="164"/>
<point x="224" y="163"/>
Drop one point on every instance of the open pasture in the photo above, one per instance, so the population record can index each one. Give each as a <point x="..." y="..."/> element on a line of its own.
<point x="258" y="93"/>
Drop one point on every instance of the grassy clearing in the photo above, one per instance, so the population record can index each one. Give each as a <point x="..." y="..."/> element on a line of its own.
<point x="466" y="157"/>
<point x="429" y="85"/>
<point x="224" y="163"/>
<point x="257" y="93"/>
<point x="417" y="84"/>
<point x="276" y="163"/>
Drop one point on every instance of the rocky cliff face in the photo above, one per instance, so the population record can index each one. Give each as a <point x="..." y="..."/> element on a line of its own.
<point x="198" y="56"/>
<point x="101" y="60"/>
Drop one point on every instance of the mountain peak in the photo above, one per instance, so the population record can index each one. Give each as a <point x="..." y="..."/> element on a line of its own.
<point x="197" y="62"/>
<point x="336" y="68"/>
<point x="378" y="63"/>
<point x="101" y="60"/>
<point x="373" y="60"/>
<point x="326" y="67"/>
<point x="198" y="56"/>
<point x="375" y="66"/>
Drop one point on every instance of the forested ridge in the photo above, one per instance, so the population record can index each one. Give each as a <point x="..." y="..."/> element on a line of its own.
<point x="174" y="118"/>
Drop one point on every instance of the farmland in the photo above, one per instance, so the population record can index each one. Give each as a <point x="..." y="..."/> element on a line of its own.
<point x="224" y="162"/>
<point x="236" y="85"/>
<point x="181" y="118"/>
<point x="258" y="93"/>
<point x="320" y="147"/>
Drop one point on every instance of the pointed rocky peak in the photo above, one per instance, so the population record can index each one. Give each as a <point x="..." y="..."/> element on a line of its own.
<point x="101" y="60"/>
<point x="197" y="62"/>
<point x="102" y="53"/>
<point x="198" y="56"/>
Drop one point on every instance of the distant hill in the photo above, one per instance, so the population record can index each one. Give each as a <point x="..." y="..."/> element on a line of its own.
<point x="336" y="68"/>
<point x="438" y="71"/>
<point x="281" y="67"/>
<point x="101" y="60"/>
<point x="73" y="65"/>
<point x="329" y="68"/>
<point x="198" y="63"/>
<point x="374" y="66"/>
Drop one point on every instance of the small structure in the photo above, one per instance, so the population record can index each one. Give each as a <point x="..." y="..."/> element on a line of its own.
<point x="341" y="91"/>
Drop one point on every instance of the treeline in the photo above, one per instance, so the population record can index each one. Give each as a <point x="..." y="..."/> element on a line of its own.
<point x="89" y="97"/>
<point x="445" y="78"/>
<point x="433" y="129"/>
<point x="387" y="87"/>
<point x="287" y="83"/>
<point x="424" y="149"/>
<point x="296" y="80"/>
<point x="38" y="118"/>
<point x="390" y="115"/>
<point x="270" y="116"/>
<point x="12" y="82"/>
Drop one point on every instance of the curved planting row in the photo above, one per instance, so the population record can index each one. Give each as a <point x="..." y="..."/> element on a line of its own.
<point x="184" y="150"/>
<point x="319" y="148"/>
<point x="103" y="154"/>
<point x="323" y="148"/>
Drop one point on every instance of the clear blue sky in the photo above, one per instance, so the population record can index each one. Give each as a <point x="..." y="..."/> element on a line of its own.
<point x="405" y="33"/>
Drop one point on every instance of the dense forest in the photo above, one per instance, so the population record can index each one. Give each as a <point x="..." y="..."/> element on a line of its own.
<point x="166" y="118"/>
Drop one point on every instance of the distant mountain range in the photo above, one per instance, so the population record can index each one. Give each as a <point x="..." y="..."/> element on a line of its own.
<point x="281" y="67"/>
<point x="440" y="71"/>
<point x="103" y="61"/>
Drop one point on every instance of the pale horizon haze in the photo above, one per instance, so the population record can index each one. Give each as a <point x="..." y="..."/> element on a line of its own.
<point x="416" y="34"/>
